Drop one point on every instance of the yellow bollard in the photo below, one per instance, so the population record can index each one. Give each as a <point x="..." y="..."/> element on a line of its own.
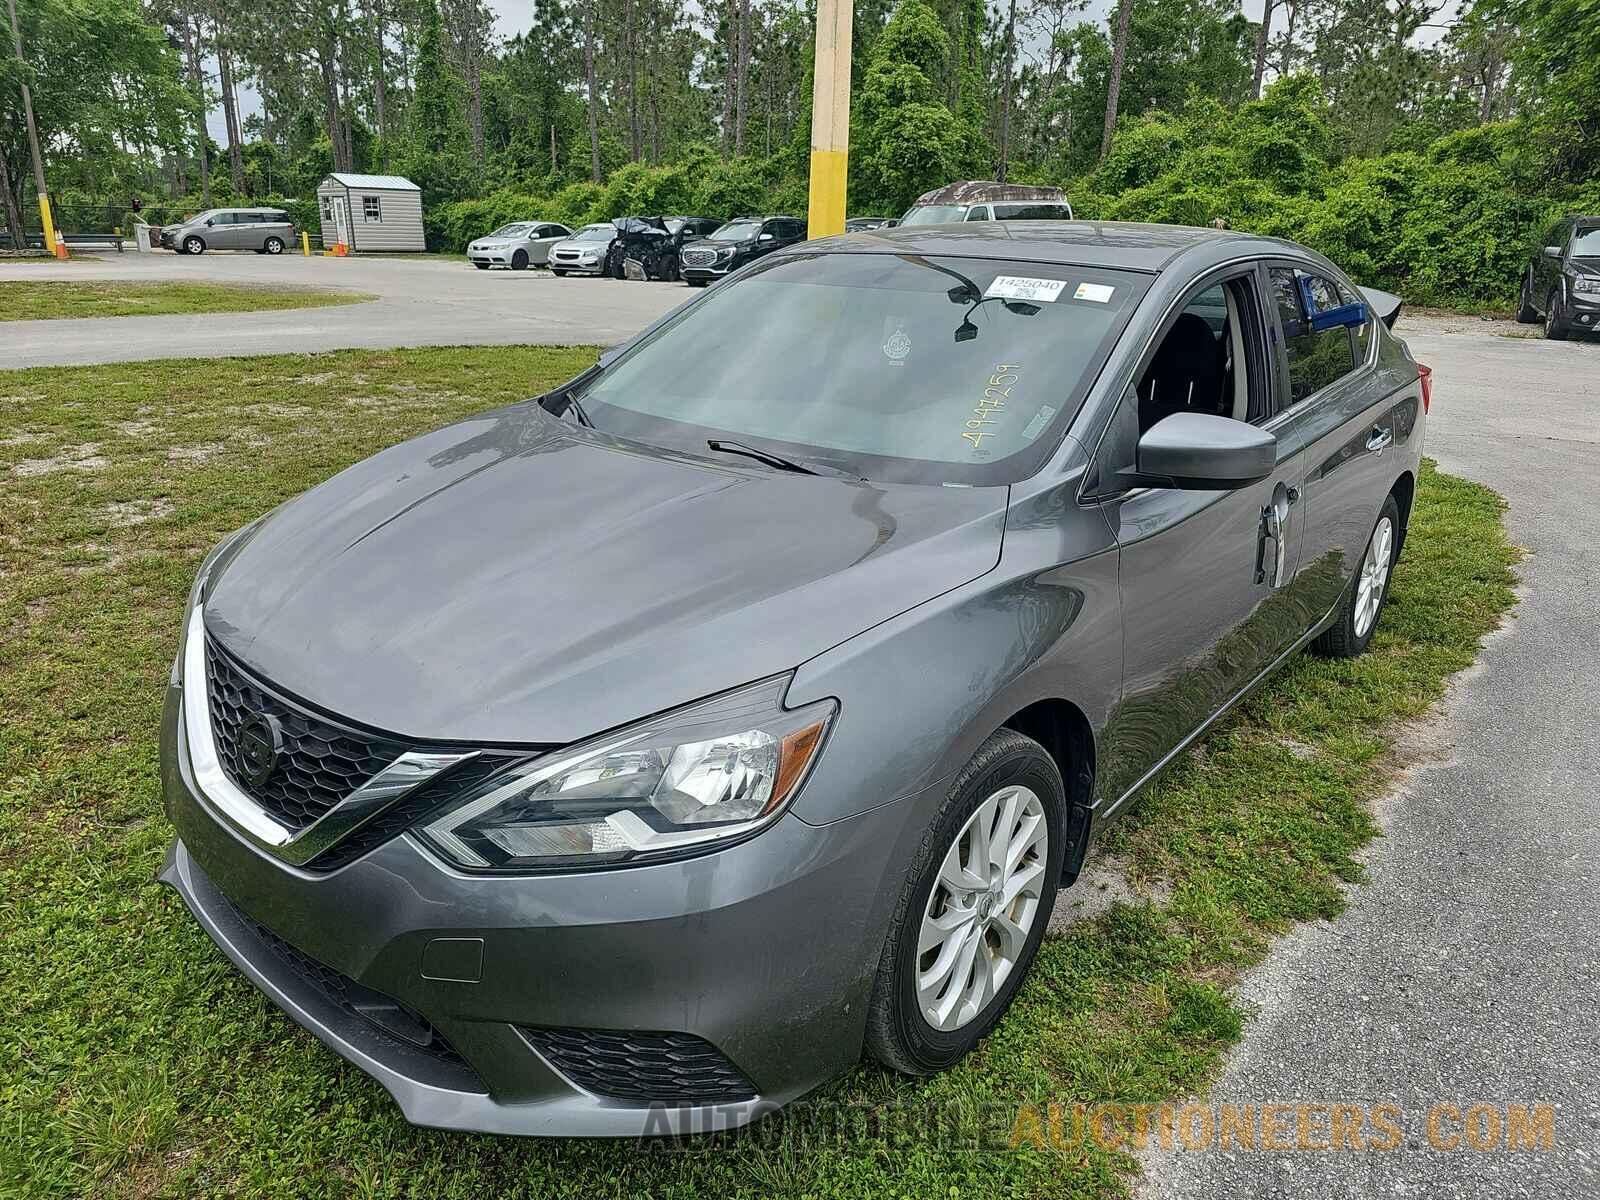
<point x="305" y="243"/>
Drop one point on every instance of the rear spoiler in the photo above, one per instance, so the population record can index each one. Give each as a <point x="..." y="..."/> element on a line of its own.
<point x="1385" y="304"/>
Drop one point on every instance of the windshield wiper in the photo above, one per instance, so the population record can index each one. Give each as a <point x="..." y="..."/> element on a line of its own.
<point x="772" y="460"/>
<point x="575" y="407"/>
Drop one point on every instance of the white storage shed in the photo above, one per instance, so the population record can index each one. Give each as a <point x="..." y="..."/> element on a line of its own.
<point x="370" y="212"/>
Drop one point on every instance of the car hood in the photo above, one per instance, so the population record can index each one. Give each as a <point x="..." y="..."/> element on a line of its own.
<point x="515" y="579"/>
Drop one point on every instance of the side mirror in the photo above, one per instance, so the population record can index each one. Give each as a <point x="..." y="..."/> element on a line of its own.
<point x="1552" y="251"/>
<point x="1200" y="452"/>
<point x="210" y="222"/>
<point x="766" y="237"/>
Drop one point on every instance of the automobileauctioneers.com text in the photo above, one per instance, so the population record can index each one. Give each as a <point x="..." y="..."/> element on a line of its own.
<point x="1471" y="1126"/>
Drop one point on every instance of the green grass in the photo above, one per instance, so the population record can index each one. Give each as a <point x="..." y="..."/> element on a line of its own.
<point x="30" y="300"/>
<point x="137" y="1062"/>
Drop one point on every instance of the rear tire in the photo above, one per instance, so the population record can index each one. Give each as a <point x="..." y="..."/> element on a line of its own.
<point x="1554" y="327"/>
<point x="1526" y="313"/>
<point x="1362" y="606"/>
<point x="273" y="245"/>
<point x="519" y="261"/>
<point x="967" y="928"/>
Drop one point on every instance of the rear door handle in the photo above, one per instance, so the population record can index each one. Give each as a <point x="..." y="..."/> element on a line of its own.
<point x="1380" y="440"/>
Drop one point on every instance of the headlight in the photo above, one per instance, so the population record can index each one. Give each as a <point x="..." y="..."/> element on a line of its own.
<point x="1588" y="284"/>
<point x="706" y="774"/>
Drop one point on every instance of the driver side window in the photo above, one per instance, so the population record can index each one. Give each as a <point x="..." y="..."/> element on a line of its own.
<point x="1210" y="359"/>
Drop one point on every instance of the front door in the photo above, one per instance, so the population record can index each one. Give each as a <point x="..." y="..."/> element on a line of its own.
<point x="1210" y="598"/>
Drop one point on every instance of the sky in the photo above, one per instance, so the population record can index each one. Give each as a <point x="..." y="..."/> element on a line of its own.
<point x="516" y="16"/>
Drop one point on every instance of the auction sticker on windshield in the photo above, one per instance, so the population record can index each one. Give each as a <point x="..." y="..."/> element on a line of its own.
<point x="1021" y="287"/>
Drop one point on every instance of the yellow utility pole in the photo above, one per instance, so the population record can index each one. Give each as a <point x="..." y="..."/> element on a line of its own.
<point x="58" y="248"/>
<point x="830" y="119"/>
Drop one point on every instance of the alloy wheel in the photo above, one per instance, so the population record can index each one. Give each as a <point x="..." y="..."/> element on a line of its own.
<point x="1374" y="575"/>
<point x="982" y="908"/>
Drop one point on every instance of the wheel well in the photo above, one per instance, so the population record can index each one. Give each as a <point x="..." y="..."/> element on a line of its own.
<point x="1062" y="729"/>
<point x="1404" y="492"/>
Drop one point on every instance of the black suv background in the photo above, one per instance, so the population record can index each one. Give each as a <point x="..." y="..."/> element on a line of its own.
<point x="1562" y="283"/>
<point x="736" y="243"/>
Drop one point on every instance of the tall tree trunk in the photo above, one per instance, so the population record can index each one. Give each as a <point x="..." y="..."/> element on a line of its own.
<point x="1119" y="54"/>
<point x="631" y="57"/>
<point x="380" y="82"/>
<point x="1005" y="101"/>
<point x="730" y="74"/>
<point x="191" y="51"/>
<point x="1261" y="49"/>
<point x="474" y="74"/>
<point x="332" y="119"/>
<point x="1286" y="51"/>
<point x="740" y="107"/>
<point x="230" y="109"/>
<point x="552" y="148"/>
<point x="13" y="205"/>
<point x="655" y="124"/>
<point x="594" y="90"/>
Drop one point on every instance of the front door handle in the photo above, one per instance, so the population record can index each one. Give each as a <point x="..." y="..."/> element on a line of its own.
<point x="1380" y="440"/>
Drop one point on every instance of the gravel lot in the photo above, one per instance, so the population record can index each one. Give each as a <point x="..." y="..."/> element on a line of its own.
<point x="421" y="302"/>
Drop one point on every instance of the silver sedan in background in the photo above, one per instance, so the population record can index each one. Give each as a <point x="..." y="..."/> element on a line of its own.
<point x="584" y="253"/>
<point x="520" y="245"/>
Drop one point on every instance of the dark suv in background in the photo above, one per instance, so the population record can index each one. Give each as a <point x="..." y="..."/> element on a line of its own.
<point x="1562" y="283"/>
<point x="741" y="240"/>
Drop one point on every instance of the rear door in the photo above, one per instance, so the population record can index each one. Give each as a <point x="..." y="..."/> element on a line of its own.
<point x="1333" y="405"/>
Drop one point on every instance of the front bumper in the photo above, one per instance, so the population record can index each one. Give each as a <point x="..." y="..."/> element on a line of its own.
<point x="708" y="274"/>
<point x="496" y="258"/>
<point x="765" y="951"/>
<point x="577" y="267"/>
<point x="1583" y="310"/>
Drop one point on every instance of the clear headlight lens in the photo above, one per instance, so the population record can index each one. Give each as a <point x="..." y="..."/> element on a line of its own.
<point x="1588" y="284"/>
<point x="708" y="773"/>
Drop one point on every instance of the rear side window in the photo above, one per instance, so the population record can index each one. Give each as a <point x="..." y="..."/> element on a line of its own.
<point x="1030" y="212"/>
<point x="1315" y="359"/>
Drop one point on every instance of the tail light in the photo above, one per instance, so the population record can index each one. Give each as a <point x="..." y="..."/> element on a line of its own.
<point x="1425" y="373"/>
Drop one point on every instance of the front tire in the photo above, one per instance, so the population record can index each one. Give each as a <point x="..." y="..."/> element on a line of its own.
<point x="1554" y="327"/>
<point x="973" y="908"/>
<point x="273" y="245"/>
<point x="193" y="245"/>
<point x="1363" y="603"/>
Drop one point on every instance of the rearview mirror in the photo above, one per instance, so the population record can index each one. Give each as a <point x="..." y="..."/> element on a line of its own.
<point x="1201" y="452"/>
<point x="1552" y="251"/>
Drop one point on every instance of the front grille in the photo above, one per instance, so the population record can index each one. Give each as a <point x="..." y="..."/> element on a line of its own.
<point x="567" y="255"/>
<point x="321" y="763"/>
<point x="699" y="258"/>
<point x="388" y="1016"/>
<point x="643" y="1068"/>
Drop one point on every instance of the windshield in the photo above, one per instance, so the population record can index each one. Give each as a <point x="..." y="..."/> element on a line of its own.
<point x="737" y="231"/>
<point x="892" y="367"/>
<point x="510" y="230"/>
<point x="595" y="233"/>
<point x="1586" y="242"/>
<point x="935" y="214"/>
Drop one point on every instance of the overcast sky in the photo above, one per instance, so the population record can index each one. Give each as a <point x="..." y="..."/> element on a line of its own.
<point x="515" y="16"/>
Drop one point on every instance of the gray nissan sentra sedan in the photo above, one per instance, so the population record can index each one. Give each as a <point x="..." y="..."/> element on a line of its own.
<point x="633" y="757"/>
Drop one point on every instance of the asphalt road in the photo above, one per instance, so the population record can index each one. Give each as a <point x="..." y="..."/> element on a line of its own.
<point x="1468" y="969"/>
<point x="421" y="302"/>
